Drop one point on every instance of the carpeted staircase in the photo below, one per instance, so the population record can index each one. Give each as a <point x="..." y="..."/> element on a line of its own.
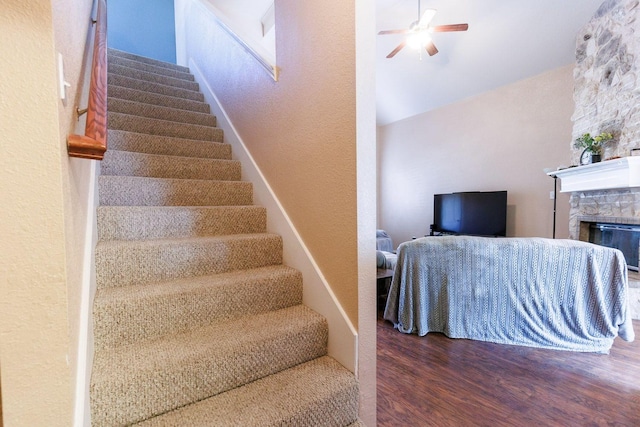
<point x="196" y="320"/>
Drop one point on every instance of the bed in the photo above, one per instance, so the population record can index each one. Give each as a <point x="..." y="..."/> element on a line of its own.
<point x="557" y="294"/>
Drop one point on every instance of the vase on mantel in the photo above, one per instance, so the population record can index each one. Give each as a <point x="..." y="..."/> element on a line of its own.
<point x="588" y="157"/>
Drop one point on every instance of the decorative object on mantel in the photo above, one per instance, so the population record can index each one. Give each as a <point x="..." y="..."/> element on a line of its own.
<point x="592" y="147"/>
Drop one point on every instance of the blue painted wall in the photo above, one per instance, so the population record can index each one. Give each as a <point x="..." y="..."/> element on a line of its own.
<point x="143" y="27"/>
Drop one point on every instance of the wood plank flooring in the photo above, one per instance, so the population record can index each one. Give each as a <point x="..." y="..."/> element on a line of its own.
<point x="438" y="381"/>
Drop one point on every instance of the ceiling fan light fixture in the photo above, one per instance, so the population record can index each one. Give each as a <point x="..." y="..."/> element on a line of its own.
<point x="418" y="35"/>
<point x="418" y="40"/>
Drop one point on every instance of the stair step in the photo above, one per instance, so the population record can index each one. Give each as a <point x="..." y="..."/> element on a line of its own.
<point x="165" y="145"/>
<point x="150" y="126"/>
<point x="167" y="222"/>
<point x="126" y="163"/>
<point x="139" y="58"/>
<point x="123" y="81"/>
<point x="130" y="384"/>
<point x="157" y="99"/>
<point x="130" y="314"/>
<point x="142" y="191"/>
<point x="135" y="262"/>
<point x="139" y="109"/>
<point x="134" y="73"/>
<point x="319" y="393"/>
<point x="151" y="68"/>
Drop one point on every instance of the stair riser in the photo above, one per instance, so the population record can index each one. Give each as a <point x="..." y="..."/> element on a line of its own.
<point x="123" y="81"/>
<point x="151" y="77"/>
<point x="155" y="144"/>
<point x="134" y="191"/>
<point x="203" y="372"/>
<point x="150" y="68"/>
<point x="145" y="262"/>
<point x="149" y="126"/>
<point x="138" y="223"/>
<point x="143" y="59"/>
<point x="157" y="99"/>
<point x="126" y="318"/>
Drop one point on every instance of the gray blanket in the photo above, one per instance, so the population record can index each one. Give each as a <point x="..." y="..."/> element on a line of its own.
<point x="560" y="294"/>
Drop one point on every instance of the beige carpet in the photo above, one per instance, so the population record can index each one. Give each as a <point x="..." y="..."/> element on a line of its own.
<point x="196" y="320"/>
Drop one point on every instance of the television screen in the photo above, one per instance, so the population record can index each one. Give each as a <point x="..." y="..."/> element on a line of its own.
<point x="471" y="213"/>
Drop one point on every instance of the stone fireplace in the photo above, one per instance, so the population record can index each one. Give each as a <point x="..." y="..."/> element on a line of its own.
<point x="613" y="207"/>
<point x="607" y="99"/>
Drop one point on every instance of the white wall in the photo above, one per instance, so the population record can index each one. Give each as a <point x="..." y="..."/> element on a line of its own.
<point x="499" y="140"/>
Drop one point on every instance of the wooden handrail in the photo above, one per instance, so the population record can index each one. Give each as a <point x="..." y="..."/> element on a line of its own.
<point x="93" y="144"/>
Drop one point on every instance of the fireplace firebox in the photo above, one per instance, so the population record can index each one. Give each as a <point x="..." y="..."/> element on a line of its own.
<point x="625" y="237"/>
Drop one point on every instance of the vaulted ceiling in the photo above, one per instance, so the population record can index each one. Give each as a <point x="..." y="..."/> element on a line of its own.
<point x="507" y="40"/>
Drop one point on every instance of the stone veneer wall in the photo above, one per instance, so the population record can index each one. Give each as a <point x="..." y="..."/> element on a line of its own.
<point x="607" y="98"/>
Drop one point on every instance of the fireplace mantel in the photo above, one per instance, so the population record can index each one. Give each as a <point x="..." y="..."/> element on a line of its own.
<point x="617" y="173"/>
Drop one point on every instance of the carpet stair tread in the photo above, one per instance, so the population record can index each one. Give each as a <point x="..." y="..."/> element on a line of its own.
<point x="130" y="94"/>
<point x="146" y="60"/>
<point x="130" y="314"/>
<point x="318" y="393"/>
<point x="137" y="74"/>
<point x="164" y="222"/>
<point x="124" y="163"/>
<point x="152" y="68"/>
<point x="142" y="191"/>
<point x="160" y="127"/>
<point x="131" y="262"/>
<point x="152" y="87"/>
<point x="134" y="108"/>
<point x="144" y="379"/>
<point x="167" y="145"/>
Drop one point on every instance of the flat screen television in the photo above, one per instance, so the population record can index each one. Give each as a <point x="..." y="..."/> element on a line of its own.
<point x="474" y="213"/>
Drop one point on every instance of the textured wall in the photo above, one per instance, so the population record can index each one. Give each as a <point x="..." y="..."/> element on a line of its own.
<point x="607" y="99"/>
<point x="500" y="140"/>
<point x="43" y="210"/>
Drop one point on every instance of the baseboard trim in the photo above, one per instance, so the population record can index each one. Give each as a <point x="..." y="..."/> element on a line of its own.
<point x="82" y="416"/>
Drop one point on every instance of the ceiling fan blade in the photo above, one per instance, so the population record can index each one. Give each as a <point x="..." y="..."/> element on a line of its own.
<point x="396" y="50"/>
<point x="427" y="16"/>
<point x="450" y="27"/>
<point x="431" y="48"/>
<point x="393" y="32"/>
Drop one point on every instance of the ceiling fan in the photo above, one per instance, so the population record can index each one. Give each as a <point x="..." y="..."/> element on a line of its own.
<point x="419" y="32"/>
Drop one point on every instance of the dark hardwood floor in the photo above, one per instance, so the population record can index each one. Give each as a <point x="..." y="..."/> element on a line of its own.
<point x="438" y="381"/>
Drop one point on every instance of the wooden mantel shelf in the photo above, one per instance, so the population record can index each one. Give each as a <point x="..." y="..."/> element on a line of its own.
<point x="617" y="173"/>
